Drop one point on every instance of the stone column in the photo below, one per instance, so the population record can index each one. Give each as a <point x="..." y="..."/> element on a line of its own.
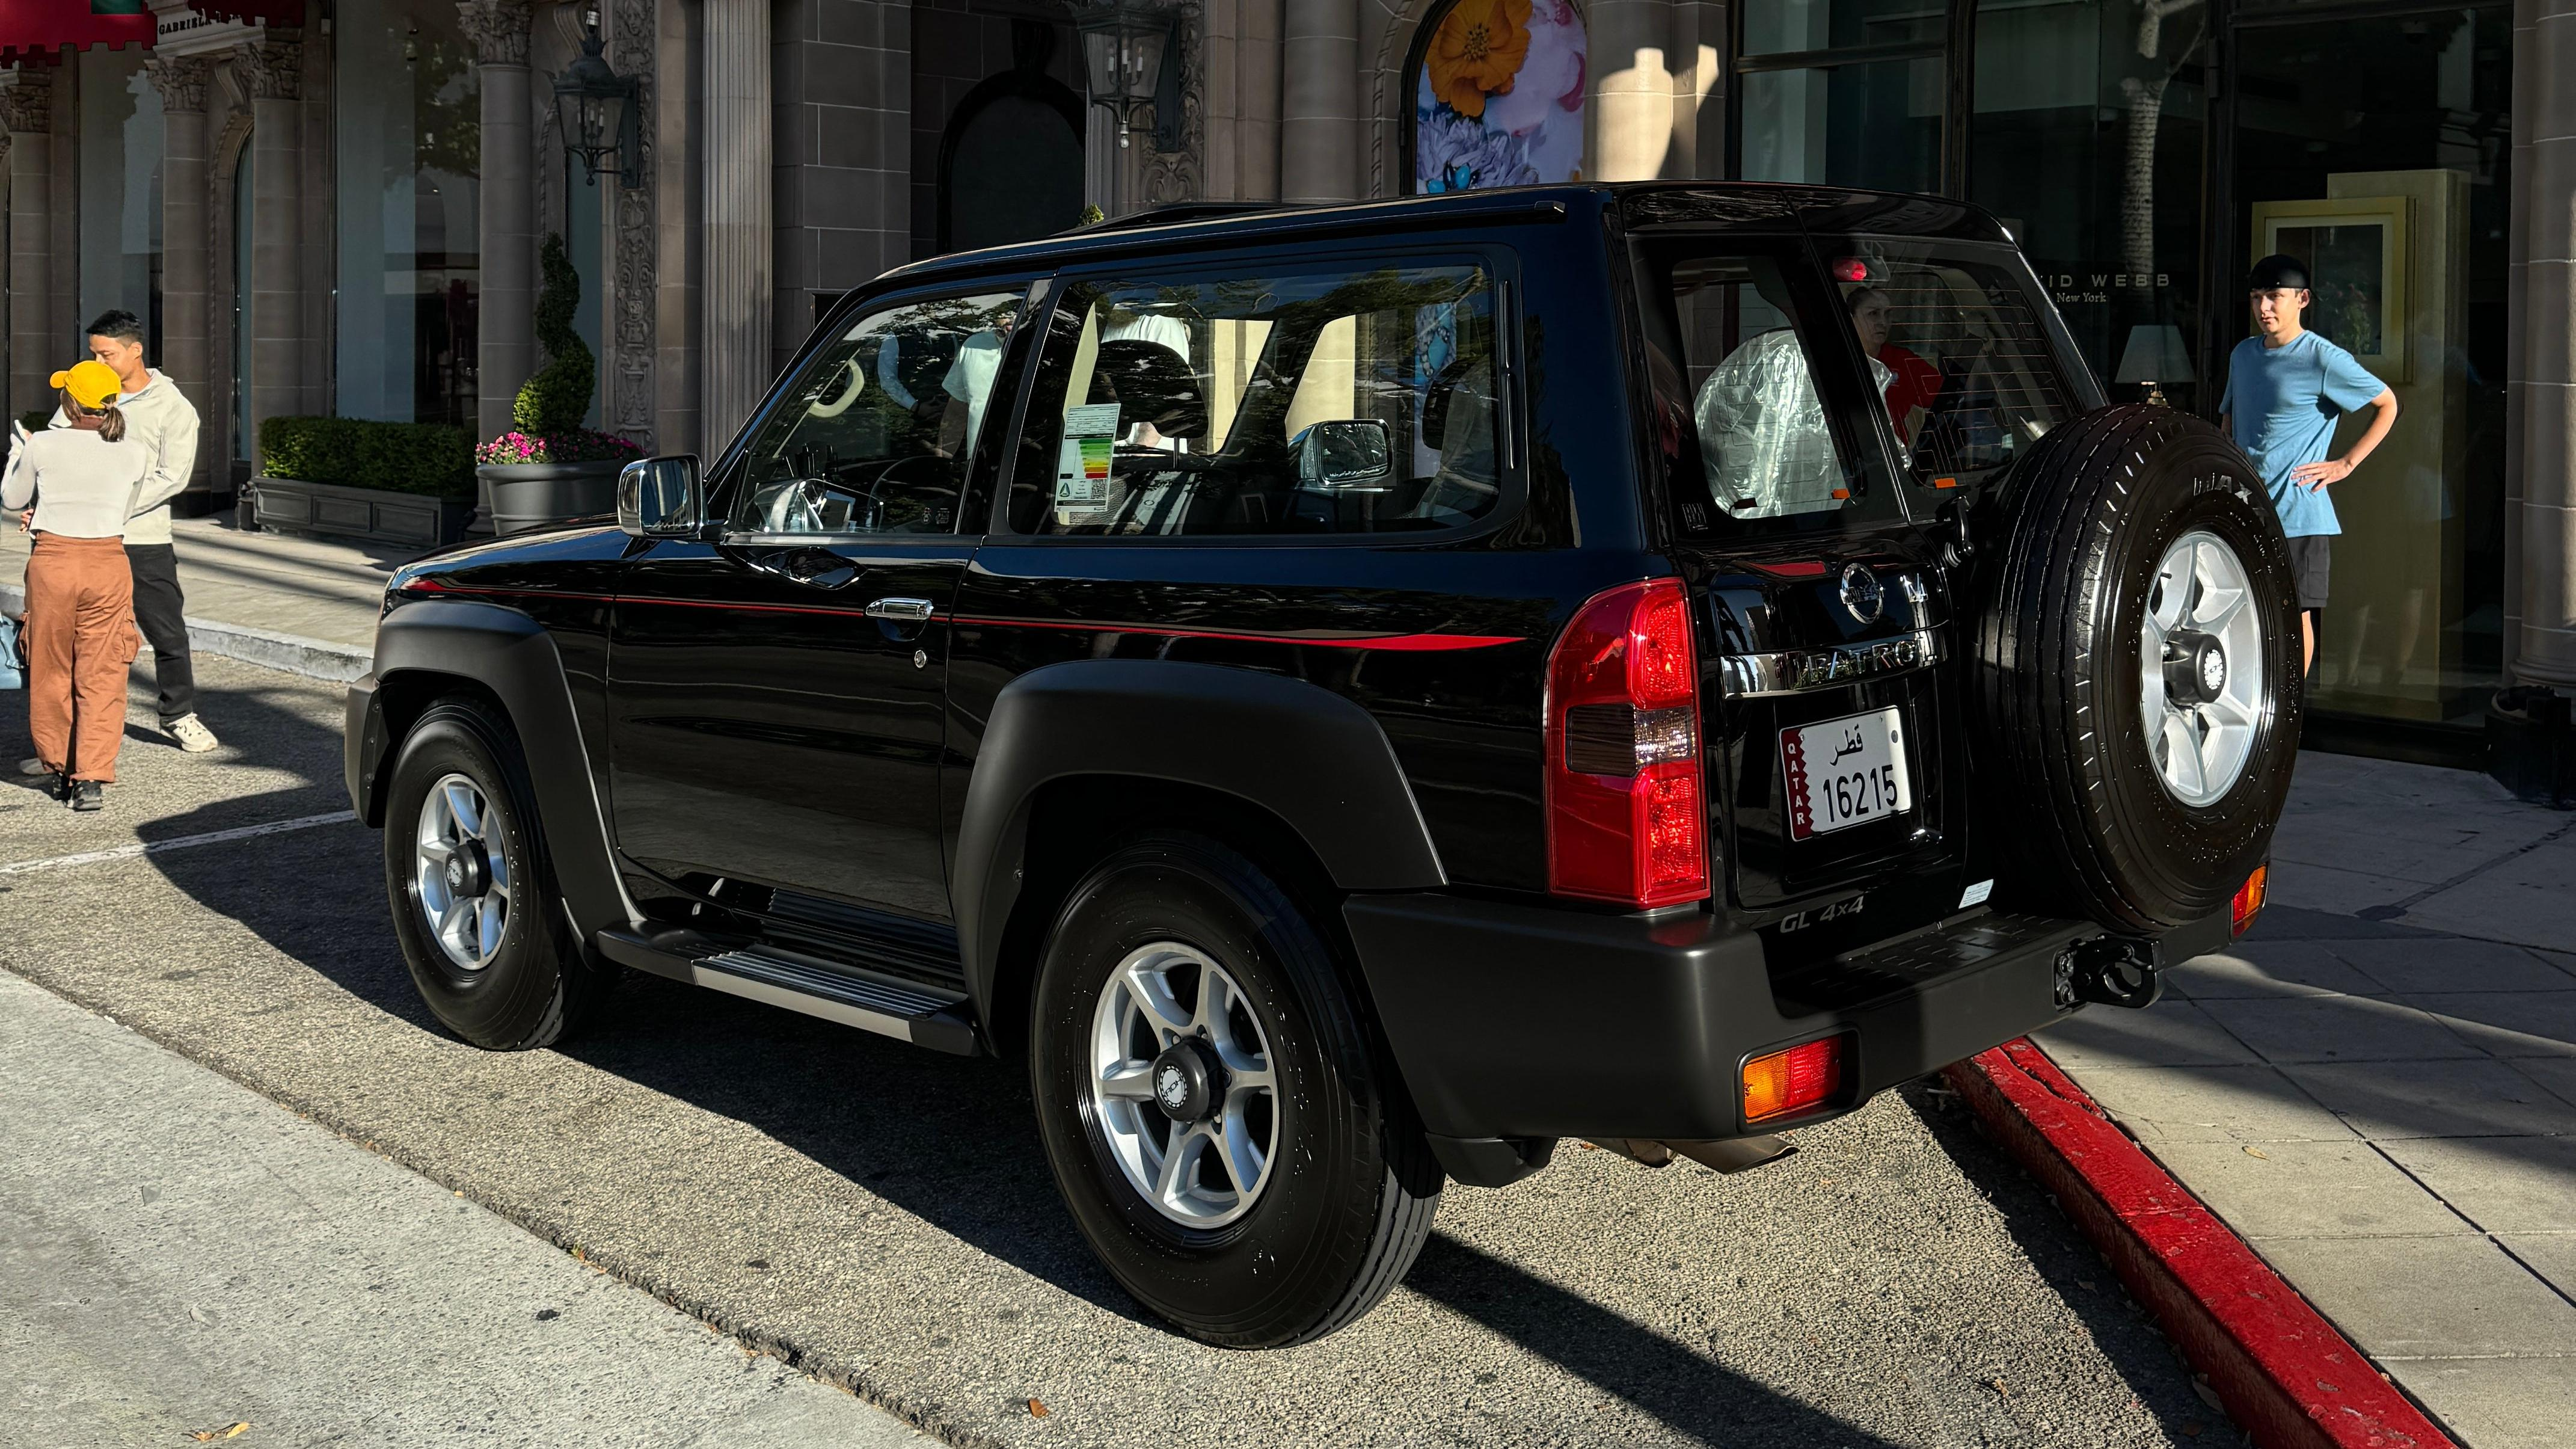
<point x="27" y="108"/>
<point x="1319" y="101"/>
<point x="505" y="348"/>
<point x="2542" y="378"/>
<point x="1629" y="106"/>
<point x="184" y="237"/>
<point x="272" y="71"/>
<point x="734" y="78"/>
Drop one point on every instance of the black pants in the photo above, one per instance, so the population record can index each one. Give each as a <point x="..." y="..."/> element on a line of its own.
<point x="157" y="612"/>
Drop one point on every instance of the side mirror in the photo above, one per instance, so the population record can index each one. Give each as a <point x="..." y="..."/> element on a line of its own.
<point x="661" y="497"/>
<point x="1347" y="455"/>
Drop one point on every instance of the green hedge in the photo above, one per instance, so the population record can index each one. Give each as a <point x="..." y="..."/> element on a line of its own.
<point x="431" y="458"/>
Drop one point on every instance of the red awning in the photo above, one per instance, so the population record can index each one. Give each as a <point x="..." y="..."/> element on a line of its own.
<point x="252" y="12"/>
<point x="40" y="30"/>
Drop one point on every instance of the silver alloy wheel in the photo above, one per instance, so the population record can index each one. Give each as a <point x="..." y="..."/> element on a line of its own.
<point x="1166" y="999"/>
<point x="2200" y="669"/>
<point x="463" y="872"/>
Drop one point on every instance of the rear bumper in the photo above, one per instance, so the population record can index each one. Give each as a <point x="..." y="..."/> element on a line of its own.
<point x="1512" y="1021"/>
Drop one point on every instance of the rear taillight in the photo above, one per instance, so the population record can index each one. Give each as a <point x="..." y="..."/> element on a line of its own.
<point x="1627" y="820"/>
<point x="1791" y="1081"/>
<point x="2249" y="899"/>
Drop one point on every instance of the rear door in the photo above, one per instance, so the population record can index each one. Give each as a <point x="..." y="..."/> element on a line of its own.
<point x="1834" y="752"/>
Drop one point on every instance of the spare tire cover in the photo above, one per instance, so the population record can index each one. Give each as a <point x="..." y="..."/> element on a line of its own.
<point x="2138" y="672"/>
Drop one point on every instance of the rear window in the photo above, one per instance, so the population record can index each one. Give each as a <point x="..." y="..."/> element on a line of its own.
<point x="1963" y="356"/>
<point x="1267" y="400"/>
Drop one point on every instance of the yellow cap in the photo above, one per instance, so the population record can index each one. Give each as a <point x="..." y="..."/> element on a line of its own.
<point x="91" y="384"/>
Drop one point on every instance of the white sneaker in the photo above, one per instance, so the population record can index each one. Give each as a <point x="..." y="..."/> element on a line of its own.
<point x="32" y="766"/>
<point x="191" y="733"/>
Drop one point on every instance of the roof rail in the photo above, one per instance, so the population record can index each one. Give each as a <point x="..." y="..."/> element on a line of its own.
<point x="1180" y="211"/>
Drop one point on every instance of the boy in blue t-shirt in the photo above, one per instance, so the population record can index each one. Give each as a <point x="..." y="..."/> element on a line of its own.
<point x="2286" y="386"/>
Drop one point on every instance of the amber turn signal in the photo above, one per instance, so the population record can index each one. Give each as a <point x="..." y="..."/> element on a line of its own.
<point x="2249" y="898"/>
<point x="1793" y="1080"/>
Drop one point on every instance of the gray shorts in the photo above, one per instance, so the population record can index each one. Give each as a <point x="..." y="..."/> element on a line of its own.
<point x="2312" y="566"/>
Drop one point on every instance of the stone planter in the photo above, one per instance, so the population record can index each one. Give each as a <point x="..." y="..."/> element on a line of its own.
<point x="291" y="505"/>
<point x="532" y="495"/>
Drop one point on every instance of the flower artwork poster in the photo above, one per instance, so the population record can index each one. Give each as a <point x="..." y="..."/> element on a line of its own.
<point x="1498" y="96"/>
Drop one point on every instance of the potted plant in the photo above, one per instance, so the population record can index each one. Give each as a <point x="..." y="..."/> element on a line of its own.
<point x="549" y="468"/>
<point x="409" y="483"/>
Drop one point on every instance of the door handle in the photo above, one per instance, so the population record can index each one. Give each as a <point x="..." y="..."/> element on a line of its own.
<point x="904" y="611"/>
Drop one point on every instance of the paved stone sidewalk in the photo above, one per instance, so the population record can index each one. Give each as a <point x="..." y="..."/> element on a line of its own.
<point x="2377" y="1087"/>
<point x="323" y="590"/>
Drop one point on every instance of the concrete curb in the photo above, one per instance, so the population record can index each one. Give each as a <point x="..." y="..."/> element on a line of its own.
<point x="314" y="658"/>
<point x="2281" y="1370"/>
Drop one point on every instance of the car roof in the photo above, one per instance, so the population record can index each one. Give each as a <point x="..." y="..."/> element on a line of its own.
<point x="1640" y="203"/>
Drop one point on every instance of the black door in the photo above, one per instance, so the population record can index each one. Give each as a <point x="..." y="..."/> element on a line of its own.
<point x="775" y="697"/>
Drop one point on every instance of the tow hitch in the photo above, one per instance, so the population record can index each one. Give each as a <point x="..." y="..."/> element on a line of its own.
<point x="2109" y="971"/>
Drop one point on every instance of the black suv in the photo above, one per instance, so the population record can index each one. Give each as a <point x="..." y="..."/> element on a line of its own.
<point x="1353" y="696"/>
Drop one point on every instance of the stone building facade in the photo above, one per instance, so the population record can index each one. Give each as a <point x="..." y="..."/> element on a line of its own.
<point x="336" y="205"/>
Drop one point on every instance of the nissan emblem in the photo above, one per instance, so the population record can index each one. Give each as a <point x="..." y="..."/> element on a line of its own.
<point x="1861" y="593"/>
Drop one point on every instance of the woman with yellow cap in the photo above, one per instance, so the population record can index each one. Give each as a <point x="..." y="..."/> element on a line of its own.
<point x="80" y="592"/>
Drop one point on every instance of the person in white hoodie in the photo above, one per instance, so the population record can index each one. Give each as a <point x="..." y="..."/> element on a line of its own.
<point x="160" y="417"/>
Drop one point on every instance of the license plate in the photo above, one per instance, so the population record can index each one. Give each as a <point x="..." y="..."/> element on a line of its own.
<point x="1845" y="772"/>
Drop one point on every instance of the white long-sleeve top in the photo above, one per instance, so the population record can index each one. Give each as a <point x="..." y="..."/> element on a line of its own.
<point x="83" y="486"/>
<point x="160" y="417"/>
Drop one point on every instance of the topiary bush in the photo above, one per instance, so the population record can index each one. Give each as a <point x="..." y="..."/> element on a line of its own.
<point x="557" y="398"/>
<point x="431" y="458"/>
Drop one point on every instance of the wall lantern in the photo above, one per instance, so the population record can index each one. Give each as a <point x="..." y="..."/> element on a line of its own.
<point x="598" y="109"/>
<point x="1128" y="48"/>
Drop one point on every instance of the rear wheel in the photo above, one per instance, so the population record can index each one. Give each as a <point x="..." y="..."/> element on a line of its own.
<point x="2138" y="672"/>
<point x="1216" y="1112"/>
<point x="474" y="903"/>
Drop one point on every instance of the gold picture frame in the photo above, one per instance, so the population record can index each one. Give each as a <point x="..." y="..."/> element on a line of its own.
<point x="2358" y="268"/>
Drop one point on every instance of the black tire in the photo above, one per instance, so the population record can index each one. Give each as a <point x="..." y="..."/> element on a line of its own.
<point x="1353" y="1186"/>
<point x="540" y="982"/>
<point x="2086" y="824"/>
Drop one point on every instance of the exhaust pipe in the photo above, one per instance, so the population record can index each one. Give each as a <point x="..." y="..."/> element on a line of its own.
<point x="1733" y="1155"/>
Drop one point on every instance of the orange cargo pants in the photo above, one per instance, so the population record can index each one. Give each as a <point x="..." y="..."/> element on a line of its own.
<point x="80" y="639"/>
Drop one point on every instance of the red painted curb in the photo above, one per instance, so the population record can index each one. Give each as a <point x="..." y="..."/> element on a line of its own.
<point x="2282" y="1371"/>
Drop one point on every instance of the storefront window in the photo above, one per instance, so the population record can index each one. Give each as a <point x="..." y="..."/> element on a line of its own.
<point x="1497" y="95"/>
<point x="408" y="132"/>
<point x="2377" y="150"/>
<point x="2087" y="142"/>
<point x="120" y="192"/>
<point x="1806" y="114"/>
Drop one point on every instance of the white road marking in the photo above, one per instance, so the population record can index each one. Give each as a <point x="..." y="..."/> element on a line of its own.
<point x="155" y="847"/>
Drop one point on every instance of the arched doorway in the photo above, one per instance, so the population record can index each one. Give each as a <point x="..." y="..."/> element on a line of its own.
<point x="1010" y="163"/>
<point x="1497" y="88"/>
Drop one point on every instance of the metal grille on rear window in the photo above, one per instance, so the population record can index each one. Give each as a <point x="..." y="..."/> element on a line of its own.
<point x="1973" y="379"/>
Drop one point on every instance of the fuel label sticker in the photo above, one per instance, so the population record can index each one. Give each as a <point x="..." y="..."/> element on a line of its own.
<point x="1082" y="481"/>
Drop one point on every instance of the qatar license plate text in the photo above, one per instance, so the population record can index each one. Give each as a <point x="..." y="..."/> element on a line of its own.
<point x="1845" y="772"/>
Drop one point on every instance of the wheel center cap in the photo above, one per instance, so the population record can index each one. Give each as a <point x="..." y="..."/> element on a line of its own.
<point x="1188" y="1083"/>
<point x="467" y="870"/>
<point x="2195" y="670"/>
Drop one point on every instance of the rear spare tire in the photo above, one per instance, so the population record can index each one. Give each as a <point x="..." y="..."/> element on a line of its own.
<point x="2138" y="672"/>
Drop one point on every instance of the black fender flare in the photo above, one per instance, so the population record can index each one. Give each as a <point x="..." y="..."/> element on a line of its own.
<point x="1313" y="758"/>
<point x="511" y="655"/>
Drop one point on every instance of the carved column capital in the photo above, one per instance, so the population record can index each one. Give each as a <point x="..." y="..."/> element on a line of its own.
<point x="181" y="80"/>
<point x="27" y="107"/>
<point x="498" y="29"/>
<point x="271" y="70"/>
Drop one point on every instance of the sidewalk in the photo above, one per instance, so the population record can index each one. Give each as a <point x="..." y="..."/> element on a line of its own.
<point x="304" y="604"/>
<point x="2377" y="1087"/>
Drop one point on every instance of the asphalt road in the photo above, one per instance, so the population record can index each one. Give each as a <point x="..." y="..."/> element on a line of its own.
<point x="882" y="1218"/>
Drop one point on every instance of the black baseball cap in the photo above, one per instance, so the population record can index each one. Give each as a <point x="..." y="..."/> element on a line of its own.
<point x="2275" y="272"/>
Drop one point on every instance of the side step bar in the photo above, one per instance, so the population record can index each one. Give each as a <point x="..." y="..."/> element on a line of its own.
<point x="778" y="978"/>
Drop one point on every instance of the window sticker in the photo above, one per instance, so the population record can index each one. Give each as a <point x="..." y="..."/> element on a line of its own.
<point x="1082" y="464"/>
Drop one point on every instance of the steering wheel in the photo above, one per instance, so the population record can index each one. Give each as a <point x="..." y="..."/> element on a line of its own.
<point x="874" y="506"/>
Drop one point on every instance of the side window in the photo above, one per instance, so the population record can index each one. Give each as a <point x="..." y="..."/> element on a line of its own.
<point x="1766" y="446"/>
<point x="876" y="434"/>
<point x="1333" y="401"/>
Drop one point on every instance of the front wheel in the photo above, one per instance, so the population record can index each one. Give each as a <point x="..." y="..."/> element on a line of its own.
<point x="472" y="891"/>
<point x="1216" y="1112"/>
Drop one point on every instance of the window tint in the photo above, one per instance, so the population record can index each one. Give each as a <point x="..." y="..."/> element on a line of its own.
<point x="1264" y="403"/>
<point x="1763" y="443"/>
<point x="1969" y="374"/>
<point x="876" y="434"/>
